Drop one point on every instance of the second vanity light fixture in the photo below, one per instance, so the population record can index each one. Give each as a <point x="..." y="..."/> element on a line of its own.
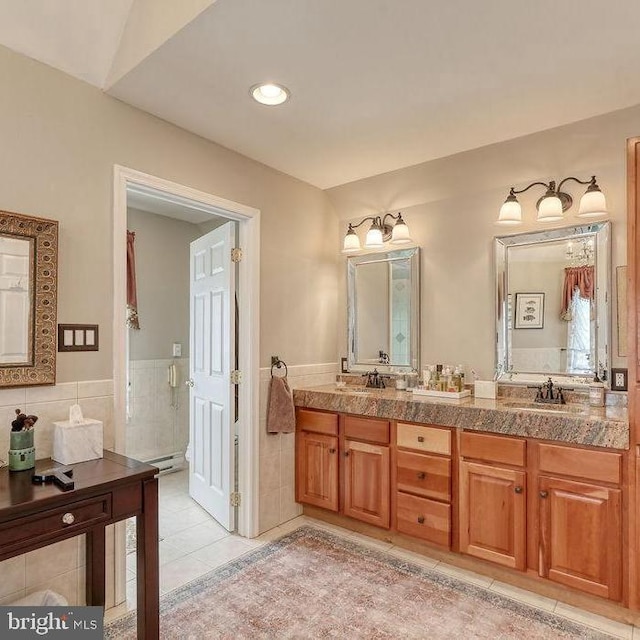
<point x="378" y="233"/>
<point x="552" y="205"/>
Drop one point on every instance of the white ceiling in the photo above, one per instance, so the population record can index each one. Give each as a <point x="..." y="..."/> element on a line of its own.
<point x="376" y="85"/>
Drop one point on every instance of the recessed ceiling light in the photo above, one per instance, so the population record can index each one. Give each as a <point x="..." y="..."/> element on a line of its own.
<point x="269" y="93"/>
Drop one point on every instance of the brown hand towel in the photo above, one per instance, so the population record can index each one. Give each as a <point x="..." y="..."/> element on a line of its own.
<point x="281" y="414"/>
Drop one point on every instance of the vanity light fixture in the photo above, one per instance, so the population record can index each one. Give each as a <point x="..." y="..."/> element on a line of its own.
<point x="269" y="93"/>
<point x="379" y="232"/>
<point x="552" y="205"/>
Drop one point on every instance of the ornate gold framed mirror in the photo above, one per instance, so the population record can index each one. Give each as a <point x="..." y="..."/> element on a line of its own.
<point x="28" y="300"/>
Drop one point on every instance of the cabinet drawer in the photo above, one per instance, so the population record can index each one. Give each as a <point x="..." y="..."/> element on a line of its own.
<point x="317" y="421"/>
<point x="421" y="438"/>
<point x="424" y="475"/>
<point x="602" y="466"/>
<point x="47" y="525"/>
<point x="424" y="519"/>
<point x="489" y="448"/>
<point x="366" y="429"/>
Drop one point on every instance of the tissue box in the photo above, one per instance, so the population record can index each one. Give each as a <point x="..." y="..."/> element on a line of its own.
<point x="485" y="389"/>
<point x="77" y="442"/>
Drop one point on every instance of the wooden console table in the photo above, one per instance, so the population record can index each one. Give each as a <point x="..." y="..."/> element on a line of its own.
<point x="106" y="491"/>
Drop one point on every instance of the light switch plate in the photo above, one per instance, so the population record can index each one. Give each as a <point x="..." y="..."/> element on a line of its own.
<point x="177" y="350"/>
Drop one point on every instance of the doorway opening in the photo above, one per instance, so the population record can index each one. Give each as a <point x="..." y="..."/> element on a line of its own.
<point x="159" y="419"/>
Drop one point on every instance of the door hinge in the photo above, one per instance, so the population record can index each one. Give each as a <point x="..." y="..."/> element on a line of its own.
<point x="235" y="498"/>
<point x="236" y="255"/>
<point x="236" y="377"/>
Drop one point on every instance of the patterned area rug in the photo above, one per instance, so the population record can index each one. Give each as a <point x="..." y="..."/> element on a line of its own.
<point x="312" y="584"/>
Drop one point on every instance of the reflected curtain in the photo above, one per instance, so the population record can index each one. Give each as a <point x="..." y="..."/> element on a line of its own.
<point x="132" y="292"/>
<point x="579" y="280"/>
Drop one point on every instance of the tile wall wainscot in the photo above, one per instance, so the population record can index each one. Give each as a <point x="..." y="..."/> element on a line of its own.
<point x="277" y="451"/>
<point x="158" y="422"/>
<point x="61" y="566"/>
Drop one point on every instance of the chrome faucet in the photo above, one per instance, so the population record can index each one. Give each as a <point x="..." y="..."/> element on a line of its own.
<point x="545" y="393"/>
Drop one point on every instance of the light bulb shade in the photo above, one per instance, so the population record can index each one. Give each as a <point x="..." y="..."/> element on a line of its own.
<point x="592" y="204"/>
<point x="550" y="209"/>
<point x="400" y="232"/>
<point x="351" y="241"/>
<point x="510" y="212"/>
<point x="374" y="237"/>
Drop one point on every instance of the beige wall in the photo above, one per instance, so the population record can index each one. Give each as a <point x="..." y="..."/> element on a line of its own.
<point x="162" y="273"/>
<point x="60" y="140"/>
<point x="451" y="206"/>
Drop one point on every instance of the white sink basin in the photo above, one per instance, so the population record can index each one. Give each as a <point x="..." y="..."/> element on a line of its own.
<point x="547" y="408"/>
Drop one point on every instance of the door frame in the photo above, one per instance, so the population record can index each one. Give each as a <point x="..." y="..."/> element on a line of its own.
<point x="248" y="219"/>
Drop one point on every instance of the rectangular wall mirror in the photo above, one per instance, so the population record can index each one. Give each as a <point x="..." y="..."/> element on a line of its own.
<point x="553" y="304"/>
<point x="383" y="309"/>
<point x="28" y="295"/>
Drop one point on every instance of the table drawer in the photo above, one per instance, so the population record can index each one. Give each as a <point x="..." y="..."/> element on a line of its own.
<point x="366" y="429"/>
<point x="317" y="421"/>
<point x="425" y="475"/>
<point x="424" y="519"/>
<point x="480" y="446"/>
<point x="421" y="438"/>
<point x="49" y="524"/>
<point x="601" y="466"/>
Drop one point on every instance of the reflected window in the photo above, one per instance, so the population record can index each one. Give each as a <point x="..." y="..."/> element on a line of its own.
<point x="579" y="335"/>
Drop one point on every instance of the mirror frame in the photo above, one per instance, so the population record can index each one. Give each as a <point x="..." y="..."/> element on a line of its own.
<point x="413" y="255"/>
<point x="601" y="232"/>
<point x="43" y="288"/>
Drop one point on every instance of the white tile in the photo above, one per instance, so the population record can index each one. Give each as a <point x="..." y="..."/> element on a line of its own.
<point x="14" y="398"/>
<point x="169" y="553"/>
<point x="269" y="510"/>
<point x="65" y="584"/>
<point x="464" y="575"/>
<point x="292" y="524"/>
<point x="269" y="478"/>
<point x="13" y="575"/>
<point x="46" y="563"/>
<point x="617" y="629"/>
<point x="179" y="572"/>
<point x="367" y="541"/>
<point x="223" y="551"/>
<point x="95" y="388"/>
<point x="177" y="502"/>
<point x="415" y="558"/>
<point x="12" y="597"/>
<point x="287" y="467"/>
<point x="117" y="612"/>
<point x="62" y="391"/>
<point x="143" y="382"/>
<point x="521" y="595"/>
<point x="142" y="364"/>
<point x="269" y="442"/>
<point x="289" y="508"/>
<point x="196" y="537"/>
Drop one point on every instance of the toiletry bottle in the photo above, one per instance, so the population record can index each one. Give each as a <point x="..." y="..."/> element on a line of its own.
<point x="596" y="392"/>
<point x="460" y="370"/>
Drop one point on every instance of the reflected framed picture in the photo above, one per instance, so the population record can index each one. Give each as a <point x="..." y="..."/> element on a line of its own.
<point x="529" y="313"/>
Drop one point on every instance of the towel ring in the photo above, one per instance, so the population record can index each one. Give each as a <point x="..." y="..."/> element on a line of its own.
<point x="279" y="364"/>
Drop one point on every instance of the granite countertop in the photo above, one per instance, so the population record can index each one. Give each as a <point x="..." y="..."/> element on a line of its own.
<point x="571" y="423"/>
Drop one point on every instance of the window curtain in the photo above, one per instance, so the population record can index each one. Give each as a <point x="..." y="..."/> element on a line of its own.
<point x="580" y="280"/>
<point x="132" y="293"/>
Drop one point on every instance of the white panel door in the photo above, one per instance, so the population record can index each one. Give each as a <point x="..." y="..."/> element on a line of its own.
<point x="212" y="336"/>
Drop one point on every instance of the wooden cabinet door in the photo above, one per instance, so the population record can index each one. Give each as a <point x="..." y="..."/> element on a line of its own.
<point x="493" y="514"/>
<point x="580" y="536"/>
<point x="317" y="470"/>
<point x="367" y="482"/>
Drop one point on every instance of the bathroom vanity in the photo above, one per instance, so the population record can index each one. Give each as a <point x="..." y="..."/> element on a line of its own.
<point x="506" y="482"/>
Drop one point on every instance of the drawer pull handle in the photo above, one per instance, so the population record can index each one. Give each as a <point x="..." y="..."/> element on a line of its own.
<point x="68" y="518"/>
<point x="420" y="519"/>
<point x="420" y="438"/>
<point x="332" y="450"/>
<point x="422" y="475"/>
<point x="544" y="494"/>
<point x="518" y="489"/>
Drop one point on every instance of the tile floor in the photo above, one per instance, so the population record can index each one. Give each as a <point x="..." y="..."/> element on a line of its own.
<point x="192" y="544"/>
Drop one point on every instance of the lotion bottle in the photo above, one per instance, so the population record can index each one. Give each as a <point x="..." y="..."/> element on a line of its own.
<point x="596" y="392"/>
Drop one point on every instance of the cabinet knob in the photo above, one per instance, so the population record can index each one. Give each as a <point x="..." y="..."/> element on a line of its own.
<point x="422" y="475"/>
<point x="68" y="518"/>
<point x="518" y="489"/>
<point x="332" y="450"/>
<point x="544" y="494"/>
<point x="346" y="454"/>
<point x="420" y="519"/>
<point x="420" y="438"/>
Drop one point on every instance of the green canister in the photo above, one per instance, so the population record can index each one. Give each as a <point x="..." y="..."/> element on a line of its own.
<point x="22" y="453"/>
